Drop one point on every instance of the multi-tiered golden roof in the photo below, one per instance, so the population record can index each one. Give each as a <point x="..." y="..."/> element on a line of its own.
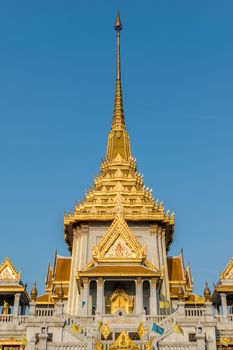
<point x="118" y="183"/>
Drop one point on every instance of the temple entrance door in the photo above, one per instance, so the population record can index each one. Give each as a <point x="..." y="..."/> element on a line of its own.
<point x="119" y="295"/>
<point x="120" y="300"/>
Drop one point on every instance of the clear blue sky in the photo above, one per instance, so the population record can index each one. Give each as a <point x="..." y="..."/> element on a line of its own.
<point x="57" y="77"/>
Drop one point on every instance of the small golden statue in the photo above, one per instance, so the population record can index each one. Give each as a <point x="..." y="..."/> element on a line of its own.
<point x="6" y="308"/>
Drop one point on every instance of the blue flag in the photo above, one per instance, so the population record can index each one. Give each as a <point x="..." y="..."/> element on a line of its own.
<point x="157" y="329"/>
<point x="83" y="303"/>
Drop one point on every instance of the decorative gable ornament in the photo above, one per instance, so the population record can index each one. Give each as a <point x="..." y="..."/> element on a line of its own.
<point x="123" y="341"/>
<point x="8" y="271"/>
<point x="227" y="274"/>
<point x="119" y="250"/>
<point x="119" y="244"/>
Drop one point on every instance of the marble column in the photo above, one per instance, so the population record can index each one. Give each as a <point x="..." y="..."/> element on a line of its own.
<point x="154" y="245"/>
<point x="153" y="297"/>
<point x="99" y="306"/>
<point x="166" y="279"/>
<point x="139" y="296"/>
<point x="16" y="304"/>
<point x="85" y="296"/>
<point x="162" y="265"/>
<point x="160" y="249"/>
<point x="224" y="304"/>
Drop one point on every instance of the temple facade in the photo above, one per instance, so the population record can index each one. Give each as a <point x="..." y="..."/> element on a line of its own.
<point x="118" y="288"/>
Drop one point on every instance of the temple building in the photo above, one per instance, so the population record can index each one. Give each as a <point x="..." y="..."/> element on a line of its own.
<point x="117" y="288"/>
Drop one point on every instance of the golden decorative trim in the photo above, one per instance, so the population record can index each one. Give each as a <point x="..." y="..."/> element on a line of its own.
<point x="151" y="266"/>
<point x="105" y="331"/>
<point x="228" y="271"/>
<point x="13" y="341"/>
<point x="123" y="341"/>
<point x="129" y="246"/>
<point x="8" y="271"/>
<point x="118" y="270"/>
<point x="97" y="344"/>
<point x="119" y="299"/>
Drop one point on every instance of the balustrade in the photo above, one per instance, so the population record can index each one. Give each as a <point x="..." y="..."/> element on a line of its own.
<point x="82" y="319"/>
<point x="45" y="312"/>
<point x="6" y="318"/>
<point x="224" y="319"/>
<point x="195" y="312"/>
<point x="177" y="347"/>
<point x="68" y="347"/>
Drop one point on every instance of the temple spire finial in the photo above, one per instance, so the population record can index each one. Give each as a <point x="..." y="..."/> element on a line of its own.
<point x="118" y="122"/>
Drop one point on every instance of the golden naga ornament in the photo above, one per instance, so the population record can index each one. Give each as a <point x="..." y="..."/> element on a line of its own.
<point x="123" y="341"/>
<point x="141" y="330"/>
<point x="97" y="344"/>
<point x="105" y="331"/>
<point x="148" y="345"/>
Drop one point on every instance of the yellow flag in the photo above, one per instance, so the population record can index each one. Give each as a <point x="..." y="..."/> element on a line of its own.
<point x="75" y="328"/>
<point x="224" y="341"/>
<point x="177" y="329"/>
<point x="24" y="341"/>
<point x="164" y="304"/>
<point x="105" y="331"/>
<point x="141" y="330"/>
<point x="99" y="325"/>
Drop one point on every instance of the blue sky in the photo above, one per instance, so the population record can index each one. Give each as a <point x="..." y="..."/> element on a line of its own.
<point x="57" y="77"/>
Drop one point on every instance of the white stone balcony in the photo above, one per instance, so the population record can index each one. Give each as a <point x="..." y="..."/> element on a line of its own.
<point x="224" y="319"/>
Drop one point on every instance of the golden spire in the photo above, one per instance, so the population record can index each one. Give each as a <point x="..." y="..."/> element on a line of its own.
<point x="207" y="292"/>
<point x="118" y="148"/>
<point x="34" y="292"/>
<point x="118" y="122"/>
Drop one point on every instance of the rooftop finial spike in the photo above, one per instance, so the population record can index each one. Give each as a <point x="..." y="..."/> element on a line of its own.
<point x="118" y="25"/>
<point x="118" y="115"/>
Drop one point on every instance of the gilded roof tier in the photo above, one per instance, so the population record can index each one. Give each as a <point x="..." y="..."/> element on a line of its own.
<point x="118" y="270"/>
<point x="175" y="269"/>
<point x="179" y="275"/>
<point x="57" y="276"/>
<point x="62" y="271"/>
<point x="45" y="299"/>
<point x="195" y="299"/>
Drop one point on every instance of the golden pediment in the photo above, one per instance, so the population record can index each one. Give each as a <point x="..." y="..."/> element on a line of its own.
<point x="123" y="341"/>
<point x="8" y="271"/>
<point x="119" y="244"/>
<point x="227" y="274"/>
